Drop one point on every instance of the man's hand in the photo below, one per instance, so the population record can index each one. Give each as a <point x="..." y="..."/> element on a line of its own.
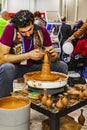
<point x="53" y="55"/>
<point x="70" y="39"/>
<point x="19" y="36"/>
<point x="36" y="54"/>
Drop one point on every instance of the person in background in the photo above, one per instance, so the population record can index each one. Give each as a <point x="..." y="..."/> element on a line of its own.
<point x="64" y="31"/>
<point x="77" y="26"/>
<point x="21" y="50"/>
<point x="81" y="46"/>
<point x="82" y="30"/>
<point x="38" y="19"/>
<point x="4" y="20"/>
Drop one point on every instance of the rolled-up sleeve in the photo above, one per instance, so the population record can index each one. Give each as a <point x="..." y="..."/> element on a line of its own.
<point x="81" y="31"/>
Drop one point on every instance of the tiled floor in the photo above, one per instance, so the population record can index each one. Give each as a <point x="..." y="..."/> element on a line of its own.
<point x="36" y="117"/>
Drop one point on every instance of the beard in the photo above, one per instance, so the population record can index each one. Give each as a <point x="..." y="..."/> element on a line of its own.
<point x="28" y="37"/>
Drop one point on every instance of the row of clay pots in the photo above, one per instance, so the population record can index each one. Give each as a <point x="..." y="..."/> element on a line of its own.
<point x="78" y="92"/>
<point x="79" y="87"/>
<point x="47" y="100"/>
<point x="61" y="102"/>
<point x="63" y="99"/>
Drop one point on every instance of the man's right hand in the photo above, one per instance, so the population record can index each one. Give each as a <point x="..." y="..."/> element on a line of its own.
<point x="36" y="54"/>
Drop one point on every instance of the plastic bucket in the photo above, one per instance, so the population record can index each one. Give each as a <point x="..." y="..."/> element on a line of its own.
<point x="14" y="113"/>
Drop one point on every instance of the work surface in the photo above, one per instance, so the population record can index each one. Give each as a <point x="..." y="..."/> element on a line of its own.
<point x="36" y="117"/>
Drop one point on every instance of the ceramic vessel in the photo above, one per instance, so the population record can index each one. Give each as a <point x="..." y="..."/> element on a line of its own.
<point x="73" y="93"/>
<point x="65" y="99"/>
<point x="85" y="91"/>
<point x="81" y="94"/>
<point x="78" y="86"/>
<point x="44" y="97"/>
<point x="59" y="103"/>
<point x="81" y="118"/>
<point x="49" y="102"/>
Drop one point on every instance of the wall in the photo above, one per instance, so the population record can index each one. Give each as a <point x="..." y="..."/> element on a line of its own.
<point x="82" y="9"/>
<point x="49" y="5"/>
<point x="70" y="9"/>
<point x="16" y="5"/>
<point x="32" y="5"/>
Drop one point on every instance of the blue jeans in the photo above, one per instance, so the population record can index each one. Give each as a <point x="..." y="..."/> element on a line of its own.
<point x="9" y="72"/>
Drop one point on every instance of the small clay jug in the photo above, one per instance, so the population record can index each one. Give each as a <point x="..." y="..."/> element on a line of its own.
<point x="85" y="91"/>
<point x="78" y="86"/>
<point x="81" y="94"/>
<point x="65" y="100"/>
<point x="59" y="103"/>
<point x="44" y="97"/>
<point x="81" y="118"/>
<point x="49" y="102"/>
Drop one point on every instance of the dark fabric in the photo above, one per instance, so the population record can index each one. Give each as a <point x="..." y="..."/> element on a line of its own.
<point x="64" y="31"/>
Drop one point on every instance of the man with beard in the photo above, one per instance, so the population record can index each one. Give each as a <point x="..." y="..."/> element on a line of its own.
<point x="21" y="50"/>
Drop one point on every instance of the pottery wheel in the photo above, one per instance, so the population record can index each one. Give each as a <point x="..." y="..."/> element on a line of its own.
<point x="45" y="74"/>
